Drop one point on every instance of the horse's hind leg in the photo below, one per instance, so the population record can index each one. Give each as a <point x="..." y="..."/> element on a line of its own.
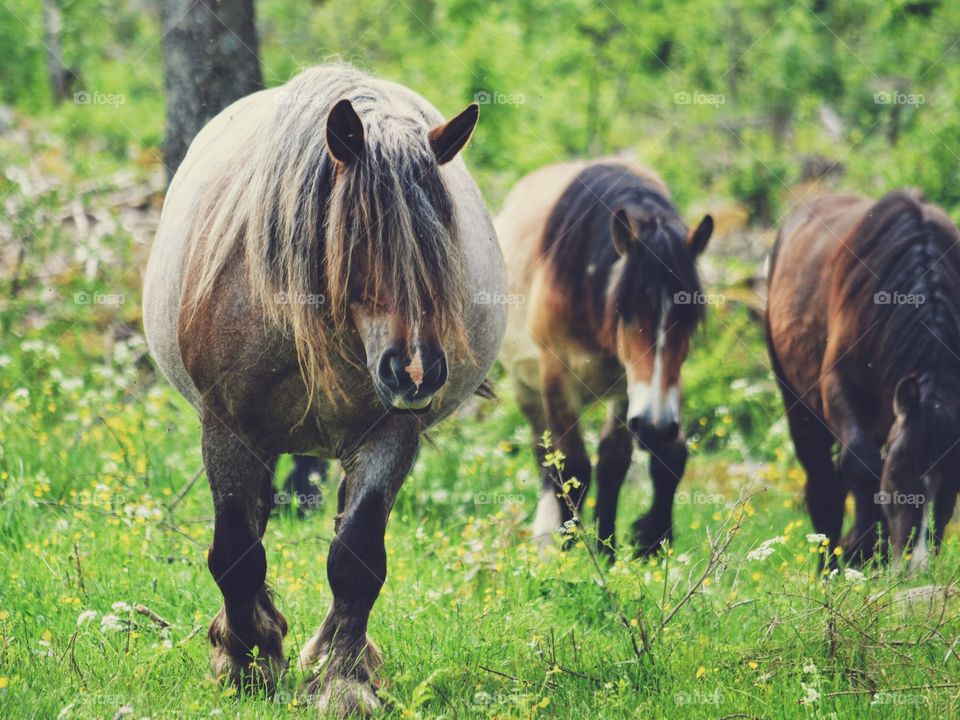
<point x="530" y="401"/>
<point x="616" y="448"/>
<point x="343" y="659"/>
<point x="562" y="490"/>
<point x="299" y="482"/>
<point x="247" y="633"/>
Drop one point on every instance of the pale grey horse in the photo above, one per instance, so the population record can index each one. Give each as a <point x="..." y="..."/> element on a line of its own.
<point x="317" y="286"/>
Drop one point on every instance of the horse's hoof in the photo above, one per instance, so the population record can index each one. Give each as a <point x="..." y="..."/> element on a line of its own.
<point x="232" y="660"/>
<point x="315" y="655"/>
<point x="647" y="540"/>
<point x="261" y="675"/>
<point x="343" y="697"/>
<point x="859" y="546"/>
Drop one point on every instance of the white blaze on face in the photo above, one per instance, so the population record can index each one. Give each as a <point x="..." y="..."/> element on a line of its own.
<point x="415" y="368"/>
<point x="651" y="400"/>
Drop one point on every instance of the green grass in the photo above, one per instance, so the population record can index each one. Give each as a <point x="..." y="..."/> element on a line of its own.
<point x="94" y="455"/>
<point x="471" y="622"/>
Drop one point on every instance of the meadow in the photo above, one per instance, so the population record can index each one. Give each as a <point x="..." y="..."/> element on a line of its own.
<point x="105" y="516"/>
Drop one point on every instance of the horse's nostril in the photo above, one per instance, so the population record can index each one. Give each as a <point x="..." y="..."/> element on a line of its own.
<point x="390" y="369"/>
<point x="436" y="374"/>
<point x="397" y="370"/>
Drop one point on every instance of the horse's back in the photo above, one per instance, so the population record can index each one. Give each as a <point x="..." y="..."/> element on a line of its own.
<point x="217" y="144"/>
<point x="520" y="227"/>
<point x="800" y="278"/>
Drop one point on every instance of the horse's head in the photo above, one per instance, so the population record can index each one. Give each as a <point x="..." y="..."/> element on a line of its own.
<point x="402" y="267"/>
<point x="919" y="446"/>
<point x="657" y="301"/>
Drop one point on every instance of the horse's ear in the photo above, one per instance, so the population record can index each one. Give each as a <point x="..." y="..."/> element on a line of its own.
<point x="448" y="139"/>
<point x="906" y="398"/>
<point x="622" y="230"/>
<point x="701" y="235"/>
<point x="344" y="133"/>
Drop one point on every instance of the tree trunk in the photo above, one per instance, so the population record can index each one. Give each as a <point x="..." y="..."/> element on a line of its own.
<point x="211" y="58"/>
<point x="57" y="72"/>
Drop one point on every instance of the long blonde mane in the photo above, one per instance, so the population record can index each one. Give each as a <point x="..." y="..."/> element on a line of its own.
<point x="314" y="234"/>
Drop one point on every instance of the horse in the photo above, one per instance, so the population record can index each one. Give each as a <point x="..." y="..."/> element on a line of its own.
<point x="311" y="291"/>
<point x="863" y="331"/>
<point x="604" y="298"/>
<point x="299" y="486"/>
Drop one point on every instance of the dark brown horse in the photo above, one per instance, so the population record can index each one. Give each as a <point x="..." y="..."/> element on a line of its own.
<point x="863" y="327"/>
<point x="309" y="291"/>
<point x="604" y="299"/>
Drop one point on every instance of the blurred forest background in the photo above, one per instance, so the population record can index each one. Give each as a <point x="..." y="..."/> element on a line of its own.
<point x="731" y="100"/>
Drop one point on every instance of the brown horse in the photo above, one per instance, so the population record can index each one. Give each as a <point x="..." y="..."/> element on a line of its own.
<point x="605" y="299"/>
<point x="863" y="327"/>
<point x="309" y="291"/>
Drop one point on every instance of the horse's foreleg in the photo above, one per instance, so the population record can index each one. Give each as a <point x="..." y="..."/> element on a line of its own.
<point x="667" y="464"/>
<point x="824" y="494"/>
<point x="859" y="467"/>
<point x="561" y="488"/>
<point x="247" y="633"/>
<point x="341" y="656"/>
<point x="616" y="448"/>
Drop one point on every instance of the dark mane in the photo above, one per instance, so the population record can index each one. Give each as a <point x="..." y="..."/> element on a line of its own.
<point x="900" y="270"/>
<point x="577" y="243"/>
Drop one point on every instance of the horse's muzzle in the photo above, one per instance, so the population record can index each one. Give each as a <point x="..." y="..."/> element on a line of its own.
<point x="408" y="384"/>
<point x="653" y="435"/>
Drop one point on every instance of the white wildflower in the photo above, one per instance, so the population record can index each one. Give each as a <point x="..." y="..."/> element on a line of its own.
<point x="111" y="623"/>
<point x="817" y="538"/>
<point x="85" y="617"/>
<point x="765" y="549"/>
<point x="812" y="694"/>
